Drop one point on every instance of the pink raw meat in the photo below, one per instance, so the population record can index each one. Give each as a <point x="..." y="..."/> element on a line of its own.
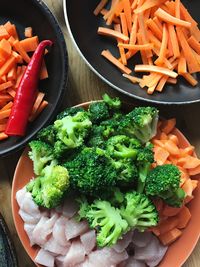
<point x="158" y="257"/>
<point x="70" y="208"/>
<point x="141" y="239"/>
<point x="45" y="258"/>
<point x="123" y="243"/>
<point x="74" y="228"/>
<point x="27" y="218"/>
<point x="52" y="246"/>
<point x="89" y="241"/>
<point x="75" y="255"/>
<point x="131" y="262"/>
<point x="59" y="231"/>
<point x="20" y="196"/>
<point x="29" y="230"/>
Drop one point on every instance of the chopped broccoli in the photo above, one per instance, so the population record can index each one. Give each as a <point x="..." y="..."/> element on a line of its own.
<point x="141" y="123"/>
<point x="108" y="222"/>
<point x="121" y="146"/>
<point x="91" y="172"/>
<point x="145" y="158"/>
<point x="47" y="135"/>
<point x="127" y="172"/>
<point x="49" y="188"/>
<point x="164" y="182"/>
<point x="72" y="130"/>
<point x="110" y="127"/>
<point x="113" y="103"/>
<point x="95" y="137"/>
<point x="139" y="211"/>
<point x="41" y="154"/>
<point x="69" y="112"/>
<point x="98" y="112"/>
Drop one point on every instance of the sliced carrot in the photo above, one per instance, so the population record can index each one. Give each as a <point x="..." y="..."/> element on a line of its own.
<point x="190" y="79"/>
<point x="163" y="15"/>
<point x="2" y="127"/>
<point x="194" y="171"/>
<point x="162" y="54"/>
<point x="184" y="217"/>
<point x="11" y="29"/>
<point x="188" y="187"/>
<point x="7" y="106"/>
<point x="5" y="49"/>
<point x="161" y="70"/>
<point x="117" y="27"/>
<point x="168" y="225"/>
<point x="154" y="40"/>
<point x="37" y="103"/>
<point x="143" y="54"/>
<point x="148" y="4"/>
<point x="187" y="151"/>
<point x="124" y="24"/>
<point x="17" y="57"/>
<point x="173" y="137"/>
<point x="170" y="237"/>
<point x="177" y="9"/>
<point x="168" y="125"/>
<point x="173" y="38"/>
<point x="182" y="66"/>
<point x="127" y="11"/>
<point x="132" y="78"/>
<point x="192" y="41"/>
<point x="44" y="72"/>
<point x="170" y="211"/>
<point x="100" y="6"/>
<point x="30" y="44"/>
<point x="3" y="136"/>
<point x="11" y="92"/>
<point x="5" y="113"/>
<point x="191" y="162"/>
<point x="42" y="106"/>
<point x="5" y="85"/>
<point x="143" y="47"/>
<point x="107" y="54"/>
<point x="154" y="28"/>
<point x="160" y="155"/>
<point x="172" y="80"/>
<point x="194" y="184"/>
<point x="7" y="66"/>
<point x="172" y="148"/>
<point x="112" y="33"/>
<point x="19" y="48"/>
<point x="12" y="74"/>
<point x="133" y="34"/>
<point x="3" y="33"/>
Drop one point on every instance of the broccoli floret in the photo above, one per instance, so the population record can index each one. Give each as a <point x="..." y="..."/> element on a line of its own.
<point x="127" y="172"/>
<point x="91" y="172"/>
<point x="95" y="137"/>
<point x="141" y="123"/>
<point x="47" y="135"/>
<point x="113" y="103"/>
<point x="145" y="158"/>
<point x="164" y="182"/>
<point x="121" y="146"/>
<point x="49" y="188"/>
<point x="41" y="154"/>
<point x="116" y="197"/>
<point x="107" y="221"/>
<point x="110" y="127"/>
<point x="69" y="112"/>
<point x="98" y="112"/>
<point x="139" y="211"/>
<point x="72" y="130"/>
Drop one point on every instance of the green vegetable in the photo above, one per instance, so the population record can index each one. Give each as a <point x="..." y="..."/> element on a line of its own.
<point x="69" y="112"/>
<point x="95" y="137"/>
<point x="141" y="123"/>
<point x="108" y="222"/>
<point x="91" y="172"/>
<point x="113" y="103"/>
<point x="164" y="182"/>
<point x="49" y="188"/>
<point x="47" y="135"/>
<point x="98" y="112"/>
<point x="145" y="158"/>
<point x="41" y="154"/>
<point x="139" y="211"/>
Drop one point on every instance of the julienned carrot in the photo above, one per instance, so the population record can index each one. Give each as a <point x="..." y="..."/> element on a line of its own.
<point x="4" y="86"/>
<point x="161" y="70"/>
<point x="190" y="79"/>
<point x="170" y="237"/>
<point x="42" y="106"/>
<point x="133" y="37"/>
<point x="112" y="33"/>
<point x="182" y="66"/>
<point x="37" y="103"/>
<point x="3" y="136"/>
<point x="127" y="11"/>
<point x="30" y="44"/>
<point x="143" y="54"/>
<point x="163" y="15"/>
<point x="7" y="66"/>
<point x="132" y="78"/>
<point x="124" y="27"/>
<point x="19" y="48"/>
<point x="174" y="41"/>
<point x="5" y="113"/>
<point x="184" y="217"/>
<point x="154" y="28"/>
<point x="115" y="61"/>
<point x="100" y="6"/>
<point x="149" y="4"/>
<point x="162" y="54"/>
<point x="136" y="47"/>
<point x="192" y="41"/>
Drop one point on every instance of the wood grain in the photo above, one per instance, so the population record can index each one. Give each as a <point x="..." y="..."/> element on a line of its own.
<point x="83" y="85"/>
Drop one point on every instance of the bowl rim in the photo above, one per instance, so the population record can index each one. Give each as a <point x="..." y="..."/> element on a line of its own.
<point x="48" y="14"/>
<point x="106" y="80"/>
<point x="15" y="214"/>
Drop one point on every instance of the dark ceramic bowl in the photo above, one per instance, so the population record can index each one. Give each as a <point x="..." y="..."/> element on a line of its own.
<point x="36" y="14"/>
<point x="83" y="25"/>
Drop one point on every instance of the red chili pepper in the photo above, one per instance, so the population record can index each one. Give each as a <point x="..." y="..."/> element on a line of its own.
<point x="26" y="93"/>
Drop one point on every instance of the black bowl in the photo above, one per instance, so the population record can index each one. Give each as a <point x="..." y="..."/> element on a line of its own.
<point x="36" y="14"/>
<point x="83" y="25"/>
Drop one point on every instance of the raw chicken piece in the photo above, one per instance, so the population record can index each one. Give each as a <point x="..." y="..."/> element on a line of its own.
<point x="27" y="218"/>
<point x="60" y="261"/>
<point x="158" y="257"/>
<point x="29" y="206"/>
<point x="52" y="246"/>
<point x="141" y="239"/>
<point x="59" y="231"/>
<point x="70" y="208"/>
<point x="131" y="262"/>
<point x="149" y="252"/>
<point x="105" y="257"/>
<point x="89" y="241"/>
<point x="29" y="230"/>
<point x="123" y="243"/>
<point x="43" y="229"/>
<point x="75" y="255"/>
<point x="74" y="228"/>
<point x="59" y="209"/>
<point x="45" y="258"/>
<point x="20" y="195"/>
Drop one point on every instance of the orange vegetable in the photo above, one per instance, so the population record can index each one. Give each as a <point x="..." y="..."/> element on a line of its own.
<point x="112" y="33"/>
<point x="30" y="44"/>
<point x="127" y="11"/>
<point x="5" y="113"/>
<point x="5" y="49"/>
<point x="173" y="38"/>
<point x="172" y="148"/>
<point x="170" y="237"/>
<point x="154" y="28"/>
<point x="170" y="211"/>
<point x="184" y="217"/>
<point x="194" y="171"/>
<point x="39" y="110"/>
<point x="3" y="136"/>
<point x="160" y="155"/>
<point x="37" y="103"/>
<point x="124" y="25"/>
<point x="136" y="47"/>
<point x="168" y="125"/>
<point x="19" y="48"/>
<point x="188" y="187"/>
<point x="5" y="85"/>
<point x="100" y="6"/>
<point x="28" y="32"/>
<point x="161" y="70"/>
<point x="168" y="225"/>
<point x="7" y="66"/>
<point x="162" y="54"/>
<point x="182" y="66"/>
<point x="190" y="78"/>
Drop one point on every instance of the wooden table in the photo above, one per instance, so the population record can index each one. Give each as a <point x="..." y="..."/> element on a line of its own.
<point x="84" y="85"/>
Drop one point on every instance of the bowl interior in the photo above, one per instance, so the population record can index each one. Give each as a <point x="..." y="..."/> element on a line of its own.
<point x="182" y="247"/>
<point x="90" y="45"/>
<point x="35" y="13"/>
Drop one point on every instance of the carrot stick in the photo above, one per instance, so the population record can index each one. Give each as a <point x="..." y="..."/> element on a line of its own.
<point x="154" y="28"/>
<point x="133" y="34"/>
<point x="177" y="9"/>
<point x="158" y="23"/>
<point x="30" y="44"/>
<point x="184" y="217"/>
<point x="107" y="54"/>
<point x="163" y="15"/>
<point x="7" y="106"/>
<point x="161" y="70"/>
<point x="162" y="54"/>
<point x="7" y="66"/>
<point x="37" y="103"/>
<point x="19" y="48"/>
<point x="127" y="11"/>
<point x="148" y="4"/>
<point x="190" y="79"/>
<point x="100" y="6"/>
<point x="121" y="49"/>
<point x="192" y="41"/>
<point x="39" y="110"/>
<point x="161" y="83"/>
<point x="2" y="127"/>
<point x="192" y="63"/>
<point x="174" y="41"/>
<point x="143" y="54"/>
<point x="5" y="85"/>
<point x="131" y="78"/>
<point x="124" y="24"/>
<point x="5" y="113"/>
<point x="112" y="33"/>
<point x="170" y="236"/>
<point x="3" y="136"/>
<point x="154" y="40"/>
<point x="28" y="32"/>
<point x="143" y="47"/>
<point x="12" y="74"/>
<point x="182" y="66"/>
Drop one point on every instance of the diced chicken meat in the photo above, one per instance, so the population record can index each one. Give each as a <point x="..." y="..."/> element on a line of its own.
<point x="75" y="255"/>
<point x="74" y="229"/>
<point x="54" y="247"/>
<point x="59" y="231"/>
<point x="89" y="241"/>
<point x="123" y="243"/>
<point x="69" y="208"/>
<point x="45" y="258"/>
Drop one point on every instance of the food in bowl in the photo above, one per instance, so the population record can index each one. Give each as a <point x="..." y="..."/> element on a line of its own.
<point x="19" y="81"/>
<point x="96" y="169"/>
<point x="163" y="32"/>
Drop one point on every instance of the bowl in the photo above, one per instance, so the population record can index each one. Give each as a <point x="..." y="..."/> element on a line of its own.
<point x="89" y="44"/>
<point x="182" y="247"/>
<point x="36" y="14"/>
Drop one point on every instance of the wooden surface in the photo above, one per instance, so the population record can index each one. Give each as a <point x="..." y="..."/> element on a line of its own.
<point x="83" y="85"/>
